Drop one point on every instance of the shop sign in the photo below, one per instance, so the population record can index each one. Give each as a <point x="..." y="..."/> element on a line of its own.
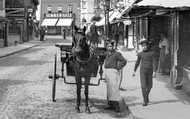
<point x="58" y="15"/>
<point x="127" y="22"/>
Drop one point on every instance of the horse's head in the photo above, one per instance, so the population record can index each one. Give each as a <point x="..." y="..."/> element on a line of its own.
<point x="81" y="48"/>
<point x="80" y="38"/>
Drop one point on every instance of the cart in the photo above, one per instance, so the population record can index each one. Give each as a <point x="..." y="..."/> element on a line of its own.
<point x="65" y="55"/>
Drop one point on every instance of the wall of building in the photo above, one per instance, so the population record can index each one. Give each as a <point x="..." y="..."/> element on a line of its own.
<point x="2" y="26"/>
<point x="61" y="3"/>
<point x="87" y="10"/>
<point x="183" y="52"/>
<point x="184" y="41"/>
<point x="19" y="25"/>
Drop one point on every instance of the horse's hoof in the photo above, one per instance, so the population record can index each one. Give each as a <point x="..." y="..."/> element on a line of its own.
<point x="78" y="109"/>
<point x="87" y="109"/>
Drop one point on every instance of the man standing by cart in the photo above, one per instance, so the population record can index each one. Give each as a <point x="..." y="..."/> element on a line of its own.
<point x="114" y="62"/>
<point x="145" y="60"/>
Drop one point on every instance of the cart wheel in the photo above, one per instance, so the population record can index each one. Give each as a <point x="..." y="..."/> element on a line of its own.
<point x="54" y="80"/>
<point x="62" y="70"/>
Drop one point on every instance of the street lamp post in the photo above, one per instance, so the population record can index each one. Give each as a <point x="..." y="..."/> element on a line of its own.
<point x="107" y="8"/>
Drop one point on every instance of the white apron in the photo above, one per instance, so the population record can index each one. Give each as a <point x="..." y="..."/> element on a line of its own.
<point x="112" y="77"/>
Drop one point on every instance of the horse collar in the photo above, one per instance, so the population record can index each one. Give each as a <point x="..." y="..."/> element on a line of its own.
<point x="84" y="61"/>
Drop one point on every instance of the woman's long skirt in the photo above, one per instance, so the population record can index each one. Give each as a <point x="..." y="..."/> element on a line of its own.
<point x="112" y="77"/>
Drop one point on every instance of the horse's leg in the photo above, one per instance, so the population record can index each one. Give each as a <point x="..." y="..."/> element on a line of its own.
<point x="78" y="83"/>
<point x="87" y="81"/>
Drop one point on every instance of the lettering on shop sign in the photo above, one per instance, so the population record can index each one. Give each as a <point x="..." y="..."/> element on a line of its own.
<point x="58" y="15"/>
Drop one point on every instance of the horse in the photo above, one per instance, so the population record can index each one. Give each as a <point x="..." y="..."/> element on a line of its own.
<point x="84" y="64"/>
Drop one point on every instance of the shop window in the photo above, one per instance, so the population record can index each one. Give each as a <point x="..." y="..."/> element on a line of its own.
<point x="49" y="9"/>
<point x="84" y="4"/>
<point x="96" y="4"/>
<point x="14" y="3"/>
<point x="14" y="28"/>
<point x="70" y="8"/>
<point x="59" y="9"/>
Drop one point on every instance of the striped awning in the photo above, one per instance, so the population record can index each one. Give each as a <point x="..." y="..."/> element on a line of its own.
<point x="64" y="22"/>
<point x="49" y="22"/>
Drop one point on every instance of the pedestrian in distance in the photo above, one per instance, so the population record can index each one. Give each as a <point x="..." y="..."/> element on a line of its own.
<point x="42" y="33"/>
<point x="114" y="62"/>
<point x="164" y="63"/>
<point x="145" y="60"/>
<point x="64" y="33"/>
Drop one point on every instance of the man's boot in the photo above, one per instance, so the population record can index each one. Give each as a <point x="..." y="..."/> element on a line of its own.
<point x="145" y="99"/>
<point x="148" y="92"/>
<point x="116" y="106"/>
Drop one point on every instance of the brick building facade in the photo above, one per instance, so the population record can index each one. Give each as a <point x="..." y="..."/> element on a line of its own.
<point x="58" y="9"/>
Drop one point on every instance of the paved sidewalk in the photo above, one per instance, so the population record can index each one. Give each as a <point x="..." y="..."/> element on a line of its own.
<point x="165" y="102"/>
<point x="10" y="50"/>
<point x="49" y="37"/>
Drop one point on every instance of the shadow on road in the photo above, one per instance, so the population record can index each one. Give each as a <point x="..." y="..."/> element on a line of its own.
<point x="164" y="101"/>
<point x="101" y="104"/>
<point x="97" y="106"/>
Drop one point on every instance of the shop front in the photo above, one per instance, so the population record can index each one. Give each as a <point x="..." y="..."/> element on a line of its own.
<point x="3" y="32"/>
<point x="50" y="24"/>
<point x="16" y="31"/>
<point x="168" y="22"/>
<point x="119" y="28"/>
<point x="183" y="57"/>
<point x="57" y="23"/>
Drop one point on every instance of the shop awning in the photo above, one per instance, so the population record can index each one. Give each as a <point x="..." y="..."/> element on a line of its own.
<point x="115" y="16"/>
<point x="157" y="7"/>
<point x="64" y="22"/>
<point x="165" y="3"/>
<point x="49" y="22"/>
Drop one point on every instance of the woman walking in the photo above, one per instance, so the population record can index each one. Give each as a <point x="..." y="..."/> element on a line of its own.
<point x="145" y="60"/>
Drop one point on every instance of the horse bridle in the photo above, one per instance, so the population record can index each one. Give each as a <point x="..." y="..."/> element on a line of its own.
<point x="77" y="58"/>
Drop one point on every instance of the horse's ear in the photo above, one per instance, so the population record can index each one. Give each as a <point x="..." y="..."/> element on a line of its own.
<point x="76" y="28"/>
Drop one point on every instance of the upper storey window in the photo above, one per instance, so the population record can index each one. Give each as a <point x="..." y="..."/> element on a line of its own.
<point x="49" y="9"/>
<point x="14" y="3"/>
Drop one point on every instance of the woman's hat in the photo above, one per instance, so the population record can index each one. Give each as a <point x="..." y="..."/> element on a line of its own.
<point x="112" y="42"/>
<point x="143" y="41"/>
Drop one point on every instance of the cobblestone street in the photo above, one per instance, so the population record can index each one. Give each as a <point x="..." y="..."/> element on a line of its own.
<point x="26" y="91"/>
<point x="150" y="80"/>
<point x="26" y="88"/>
